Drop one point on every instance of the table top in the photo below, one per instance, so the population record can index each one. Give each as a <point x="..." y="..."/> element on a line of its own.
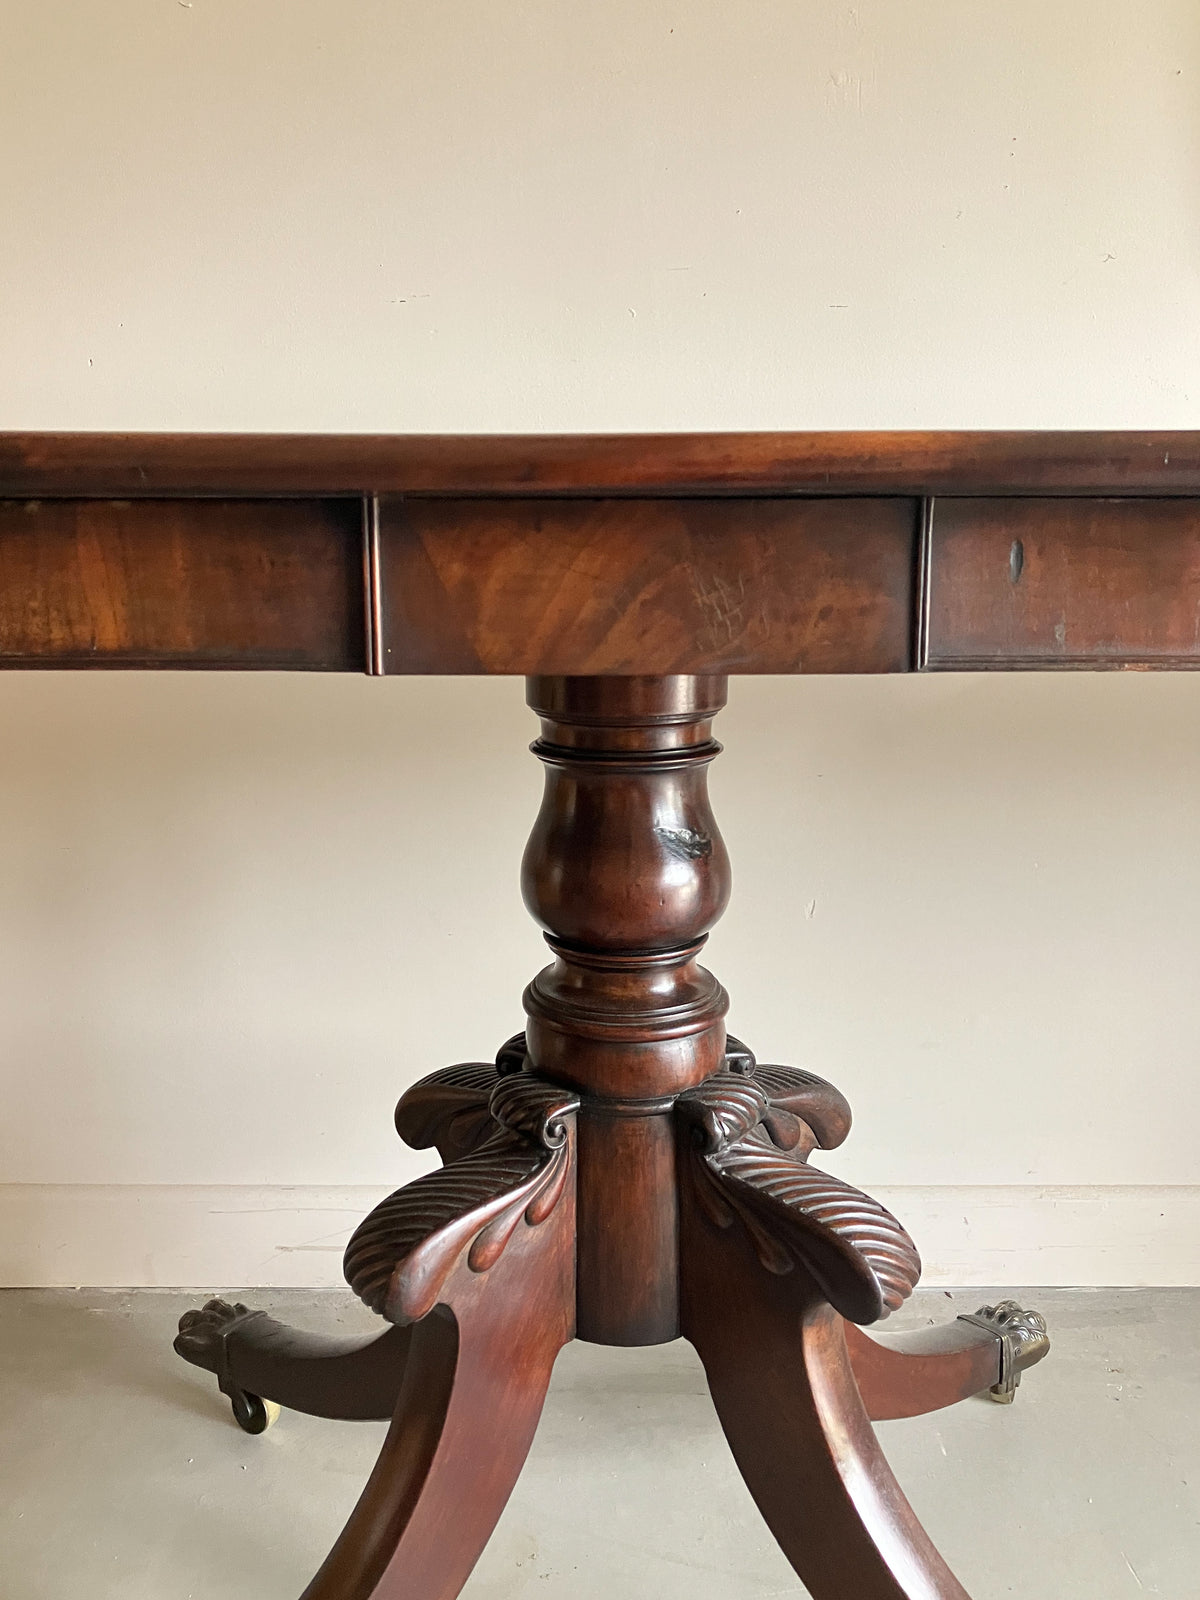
<point x="667" y="553"/>
<point x="921" y="463"/>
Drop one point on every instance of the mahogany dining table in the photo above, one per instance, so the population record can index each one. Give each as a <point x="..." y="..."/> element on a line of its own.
<point x="624" y="1171"/>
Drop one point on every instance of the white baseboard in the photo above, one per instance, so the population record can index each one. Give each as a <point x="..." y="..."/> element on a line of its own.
<point x="68" y="1235"/>
<point x="165" y="1237"/>
<point x="1110" y="1236"/>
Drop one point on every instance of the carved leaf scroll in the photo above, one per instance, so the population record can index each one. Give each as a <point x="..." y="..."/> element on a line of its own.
<point x="401" y="1258"/>
<point x="755" y="1131"/>
<point x="450" y="1110"/>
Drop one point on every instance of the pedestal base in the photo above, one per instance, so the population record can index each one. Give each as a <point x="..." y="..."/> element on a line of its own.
<point x="624" y="1173"/>
<point x="474" y="1268"/>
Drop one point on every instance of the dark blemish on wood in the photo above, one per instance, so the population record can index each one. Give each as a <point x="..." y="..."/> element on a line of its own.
<point x="1016" y="561"/>
<point x="685" y="843"/>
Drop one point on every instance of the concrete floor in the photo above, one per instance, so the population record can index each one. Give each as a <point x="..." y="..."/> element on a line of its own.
<point x="123" y="1475"/>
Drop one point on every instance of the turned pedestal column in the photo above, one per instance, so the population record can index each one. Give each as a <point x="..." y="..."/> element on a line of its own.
<point x="627" y="873"/>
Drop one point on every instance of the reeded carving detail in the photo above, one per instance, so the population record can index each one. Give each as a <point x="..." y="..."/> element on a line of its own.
<point x="754" y="1130"/>
<point x="533" y="1108"/>
<point x="806" y="1113"/>
<point x="400" y="1259"/>
<point x="512" y="1055"/>
<point x="449" y="1110"/>
<point x="802" y="1110"/>
<point x="724" y="1108"/>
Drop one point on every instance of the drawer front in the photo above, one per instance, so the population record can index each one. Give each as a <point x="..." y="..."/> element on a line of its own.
<point x="646" y="586"/>
<point x="1061" y="583"/>
<point x="205" y="583"/>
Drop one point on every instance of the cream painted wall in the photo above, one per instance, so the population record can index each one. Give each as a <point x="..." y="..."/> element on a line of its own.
<point x="236" y="913"/>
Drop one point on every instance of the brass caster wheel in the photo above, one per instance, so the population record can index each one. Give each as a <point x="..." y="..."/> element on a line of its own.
<point x="203" y="1339"/>
<point x="252" y="1414"/>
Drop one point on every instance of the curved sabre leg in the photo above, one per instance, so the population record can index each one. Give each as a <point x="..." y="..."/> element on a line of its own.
<point x="774" y="1254"/>
<point x="776" y="1361"/>
<point x="252" y="1354"/>
<point x="468" y="1408"/>
<point x="909" y="1374"/>
<point x="478" y="1260"/>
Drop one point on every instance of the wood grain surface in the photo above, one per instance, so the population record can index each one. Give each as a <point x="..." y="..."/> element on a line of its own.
<point x="100" y="583"/>
<point x="920" y="463"/>
<point x="1063" y="583"/>
<point x="647" y="586"/>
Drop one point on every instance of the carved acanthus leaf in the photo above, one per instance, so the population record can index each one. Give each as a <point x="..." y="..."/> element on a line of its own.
<point x="533" y="1108"/>
<point x="756" y="1130"/>
<point x="798" y="1109"/>
<point x="724" y="1107"/>
<point x="512" y="1056"/>
<point x="799" y="1096"/>
<point x="400" y="1259"/>
<point x="863" y="1260"/>
<point x="450" y="1109"/>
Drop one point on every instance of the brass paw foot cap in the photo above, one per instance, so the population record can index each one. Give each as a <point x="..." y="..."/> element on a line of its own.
<point x="1024" y="1341"/>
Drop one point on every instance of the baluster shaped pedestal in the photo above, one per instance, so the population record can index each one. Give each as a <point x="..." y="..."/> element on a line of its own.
<point x="627" y="872"/>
